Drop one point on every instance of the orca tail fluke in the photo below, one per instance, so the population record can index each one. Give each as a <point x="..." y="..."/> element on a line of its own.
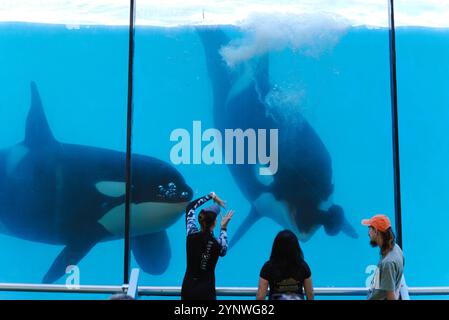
<point x="250" y="219"/>
<point x="336" y="222"/>
<point x="213" y="39"/>
<point x="152" y="252"/>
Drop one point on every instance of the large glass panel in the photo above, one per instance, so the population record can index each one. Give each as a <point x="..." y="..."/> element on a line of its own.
<point x="319" y="74"/>
<point x="63" y="102"/>
<point x="422" y="42"/>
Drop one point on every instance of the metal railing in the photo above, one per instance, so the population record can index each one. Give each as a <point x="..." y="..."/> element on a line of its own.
<point x="321" y="291"/>
<point x="176" y="291"/>
<point x="249" y="291"/>
<point x="134" y="290"/>
<point x="31" y="287"/>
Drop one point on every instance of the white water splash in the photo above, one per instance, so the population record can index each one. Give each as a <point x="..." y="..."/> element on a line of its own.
<point x="284" y="105"/>
<point x="309" y="33"/>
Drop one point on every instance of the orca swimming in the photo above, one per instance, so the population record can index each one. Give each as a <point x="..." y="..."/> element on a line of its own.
<point x="73" y="195"/>
<point x="296" y="195"/>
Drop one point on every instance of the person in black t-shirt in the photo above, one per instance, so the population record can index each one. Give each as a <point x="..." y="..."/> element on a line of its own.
<point x="286" y="273"/>
<point x="203" y="249"/>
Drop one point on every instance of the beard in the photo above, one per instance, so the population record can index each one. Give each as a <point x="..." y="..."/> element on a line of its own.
<point x="373" y="243"/>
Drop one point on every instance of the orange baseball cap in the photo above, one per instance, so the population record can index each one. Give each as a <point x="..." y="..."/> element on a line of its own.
<point x="379" y="222"/>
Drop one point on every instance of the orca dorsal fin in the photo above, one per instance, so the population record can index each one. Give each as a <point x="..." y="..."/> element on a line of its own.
<point x="37" y="130"/>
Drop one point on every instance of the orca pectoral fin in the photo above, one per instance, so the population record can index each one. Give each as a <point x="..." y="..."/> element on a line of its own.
<point x="249" y="221"/>
<point x="71" y="255"/>
<point x="152" y="252"/>
<point x="336" y="222"/>
<point x="75" y="251"/>
<point x="349" y="230"/>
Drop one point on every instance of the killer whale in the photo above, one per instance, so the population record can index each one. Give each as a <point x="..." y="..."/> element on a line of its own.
<point x="297" y="194"/>
<point x="73" y="195"/>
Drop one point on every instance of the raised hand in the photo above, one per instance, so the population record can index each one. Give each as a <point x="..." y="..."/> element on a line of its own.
<point x="225" y="220"/>
<point x="217" y="200"/>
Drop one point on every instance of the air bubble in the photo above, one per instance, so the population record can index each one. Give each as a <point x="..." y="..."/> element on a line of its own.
<point x="171" y="185"/>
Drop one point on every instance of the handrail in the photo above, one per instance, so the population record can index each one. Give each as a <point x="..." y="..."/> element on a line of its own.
<point x="221" y="291"/>
<point x="321" y="291"/>
<point x="250" y="291"/>
<point x="35" y="287"/>
<point x="424" y="291"/>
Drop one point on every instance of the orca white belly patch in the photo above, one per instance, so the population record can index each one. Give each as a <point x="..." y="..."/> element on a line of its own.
<point x="146" y="218"/>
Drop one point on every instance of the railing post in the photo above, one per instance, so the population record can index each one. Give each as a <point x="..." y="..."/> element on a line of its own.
<point x="133" y="284"/>
<point x="395" y="126"/>
<point x="404" y="290"/>
<point x="129" y="123"/>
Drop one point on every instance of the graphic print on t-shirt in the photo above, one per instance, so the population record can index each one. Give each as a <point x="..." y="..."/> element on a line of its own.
<point x="289" y="285"/>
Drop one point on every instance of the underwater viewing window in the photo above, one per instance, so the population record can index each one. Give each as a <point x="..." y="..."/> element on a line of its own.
<point x="422" y="43"/>
<point x="303" y="115"/>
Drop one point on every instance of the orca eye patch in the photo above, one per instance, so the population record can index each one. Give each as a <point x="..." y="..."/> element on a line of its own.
<point x="111" y="188"/>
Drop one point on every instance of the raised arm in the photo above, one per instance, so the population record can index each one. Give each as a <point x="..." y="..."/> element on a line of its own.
<point x="190" y="212"/>
<point x="223" y="238"/>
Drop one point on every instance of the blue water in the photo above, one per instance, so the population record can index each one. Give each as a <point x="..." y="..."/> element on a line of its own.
<point x="423" y="106"/>
<point x="344" y="95"/>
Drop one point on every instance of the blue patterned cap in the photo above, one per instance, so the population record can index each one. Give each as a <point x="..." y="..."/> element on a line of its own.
<point x="215" y="209"/>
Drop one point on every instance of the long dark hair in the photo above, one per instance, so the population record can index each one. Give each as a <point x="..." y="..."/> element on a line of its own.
<point x="206" y="219"/>
<point x="286" y="252"/>
<point x="388" y="241"/>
